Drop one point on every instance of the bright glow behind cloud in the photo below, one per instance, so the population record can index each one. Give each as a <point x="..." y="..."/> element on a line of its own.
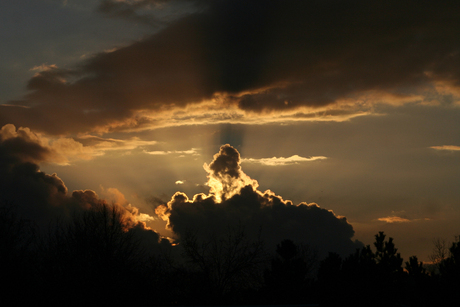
<point x="233" y="200"/>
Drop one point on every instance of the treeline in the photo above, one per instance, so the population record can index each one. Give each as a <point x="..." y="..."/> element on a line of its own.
<point x="96" y="259"/>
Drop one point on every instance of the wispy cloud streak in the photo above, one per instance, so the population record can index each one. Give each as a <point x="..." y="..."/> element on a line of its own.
<point x="295" y="159"/>
<point x="393" y="219"/>
<point x="447" y="147"/>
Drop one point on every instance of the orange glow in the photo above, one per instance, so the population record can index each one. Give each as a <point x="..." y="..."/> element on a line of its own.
<point x="162" y="212"/>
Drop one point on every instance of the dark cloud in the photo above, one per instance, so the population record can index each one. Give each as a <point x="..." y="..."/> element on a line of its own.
<point x="43" y="198"/>
<point x="128" y="10"/>
<point x="272" y="55"/>
<point x="19" y="147"/>
<point x="233" y="200"/>
<point x="21" y="181"/>
<point x="241" y="204"/>
<point x="150" y="12"/>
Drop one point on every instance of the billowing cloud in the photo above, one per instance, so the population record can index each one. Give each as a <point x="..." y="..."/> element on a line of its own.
<point x="44" y="198"/>
<point x="132" y="216"/>
<point x="225" y="177"/>
<point x="258" y="57"/>
<point x="22" y="145"/>
<point x="37" y="194"/>
<point x="234" y="201"/>
<point x="446" y="147"/>
<point x="282" y="161"/>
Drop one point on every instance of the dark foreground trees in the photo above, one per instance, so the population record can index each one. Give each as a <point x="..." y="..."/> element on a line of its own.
<point x="228" y="265"/>
<point x="367" y="277"/>
<point x="376" y="277"/>
<point x="290" y="275"/>
<point x="94" y="258"/>
<point x="93" y="254"/>
<point x="18" y="263"/>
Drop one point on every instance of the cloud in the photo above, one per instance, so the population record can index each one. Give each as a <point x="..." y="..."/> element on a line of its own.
<point x="193" y="152"/>
<point x="22" y="145"/>
<point x="393" y="219"/>
<point x="44" y="198"/>
<point x="112" y="196"/>
<point x="44" y="67"/>
<point x="100" y="145"/>
<point x="225" y="177"/>
<point x="37" y="195"/>
<point x="295" y="159"/>
<point x="446" y="147"/>
<point x="150" y="12"/>
<point x="212" y="112"/>
<point x="256" y="56"/>
<point x="64" y="150"/>
<point x="235" y="201"/>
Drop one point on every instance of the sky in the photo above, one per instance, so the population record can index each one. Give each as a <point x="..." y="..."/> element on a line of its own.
<point x="325" y="121"/>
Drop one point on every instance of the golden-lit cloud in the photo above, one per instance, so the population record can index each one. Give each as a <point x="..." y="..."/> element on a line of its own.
<point x="295" y="159"/>
<point x="393" y="219"/>
<point x="446" y="147"/>
<point x="225" y="177"/>
<point x="193" y="152"/>
<point x="43" y="67"/>
<point x="58" y="150"/>
<point x="162" y="212"/>
<point x="114" y="196"/>
<point x="64" y="150"/>
<point x="101" y="145"/>
<point x="234" y="200"/>
<point x="210" y="113"/>
<point x="204" y="68"/>
<point x="41" y="197"/>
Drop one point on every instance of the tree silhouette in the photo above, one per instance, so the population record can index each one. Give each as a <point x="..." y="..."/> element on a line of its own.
<point x="415" y="268"/>
<point x="449" y="269"/>
<point x="450" y="266"/>
<point x="389" y="261"/>
<point x="91" y="256"/>
<point x="439" y="253"/>
<point x="95" y="257"/>
<point x="289" y="277"/>
<point x="18" y="261"/>
<point x="229" y="263"/>
<point x="363" y="276"/>
<point x="419" y="286"/>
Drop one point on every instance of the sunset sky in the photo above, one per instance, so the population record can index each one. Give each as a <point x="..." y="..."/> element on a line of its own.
<point x="352" y="105"/>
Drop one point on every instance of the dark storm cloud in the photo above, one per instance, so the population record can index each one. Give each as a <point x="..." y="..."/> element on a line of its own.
<point x="264" y="55"/>
<point x="240" y="204"/>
